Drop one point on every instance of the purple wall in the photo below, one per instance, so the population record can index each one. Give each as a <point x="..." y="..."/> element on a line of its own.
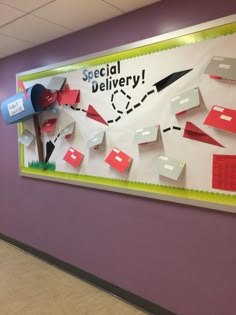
<point x="180" y="257"/>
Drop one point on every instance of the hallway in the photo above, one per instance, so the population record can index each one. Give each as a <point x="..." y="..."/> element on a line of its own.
<point x="30" y="286"/>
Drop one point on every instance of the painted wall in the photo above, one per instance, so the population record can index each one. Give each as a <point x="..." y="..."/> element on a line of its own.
<point x="180" y="257"/>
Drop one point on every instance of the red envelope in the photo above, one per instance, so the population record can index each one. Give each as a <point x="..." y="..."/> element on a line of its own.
<point x="47" y="98"/>
<point x="93" y="114"/>
<point x="224" y="172"/>
<point x="119" y="160"/>
<point x="193" y="132"/>
<point x="68" y="96"/>
<point x="48" y="125"/>
<point x="222" y="118"/>
<point x="73" y="157"/>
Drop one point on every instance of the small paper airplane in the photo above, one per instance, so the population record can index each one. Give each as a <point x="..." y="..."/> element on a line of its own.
<point x="93" y="114"/>
<point x="162" y="84"/>
<point x="50" y="146"/>
<point x="193" y="132"/>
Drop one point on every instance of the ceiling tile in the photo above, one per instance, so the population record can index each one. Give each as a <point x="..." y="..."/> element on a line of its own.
<point x="130" y="5"/>
<point x="8" y="14"/>
<point x="10" y="45"/>
<point x="34" y="30"/>
<point x="76" y="14"/>
<point x="25" y="5"/>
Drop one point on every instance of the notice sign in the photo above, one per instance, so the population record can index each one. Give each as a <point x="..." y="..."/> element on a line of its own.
<point x="16" y="107"/>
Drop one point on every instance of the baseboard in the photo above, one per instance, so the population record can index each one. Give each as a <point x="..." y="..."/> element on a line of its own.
<point x="135" y="300"/>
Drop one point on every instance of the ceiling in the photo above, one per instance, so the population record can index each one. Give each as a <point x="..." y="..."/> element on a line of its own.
<point x="28" y="23"/>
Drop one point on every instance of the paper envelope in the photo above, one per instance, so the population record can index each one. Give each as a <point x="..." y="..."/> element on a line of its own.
<point x="119" y="160"/>
<point x="222" y="68"/>
<point x="73" y="157"/>
<point x="26" y="138"/>
<point x="48" y="125"/>
<point x="96" y="140"/>
<point x="146" y="135"/>
<point x="67" y="96"/>
<point x="56" y="83"/>
<point x="221" y="118"/>
<point x="185" y="101"/>
<point x="169" y="167"/>
<point x="68" y="130"/>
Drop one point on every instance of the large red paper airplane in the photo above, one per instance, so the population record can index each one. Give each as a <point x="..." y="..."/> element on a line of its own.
<point x="193" y="132"/>
<point x="93" y="114"/>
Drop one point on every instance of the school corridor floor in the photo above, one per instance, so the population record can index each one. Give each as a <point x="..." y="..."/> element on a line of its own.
<point x="29" y="286"/>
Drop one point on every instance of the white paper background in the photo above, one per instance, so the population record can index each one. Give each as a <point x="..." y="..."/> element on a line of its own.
<point x="154" y="110"/>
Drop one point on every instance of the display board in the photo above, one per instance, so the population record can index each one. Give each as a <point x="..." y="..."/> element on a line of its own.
<point x="155" y="118"/>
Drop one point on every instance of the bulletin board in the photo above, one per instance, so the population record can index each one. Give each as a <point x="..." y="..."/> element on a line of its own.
<point x="139" y="122"/>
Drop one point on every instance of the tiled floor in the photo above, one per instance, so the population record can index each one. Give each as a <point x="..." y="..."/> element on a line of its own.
<point x="29" y="286"/>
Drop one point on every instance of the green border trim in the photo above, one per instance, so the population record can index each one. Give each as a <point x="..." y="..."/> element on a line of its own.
<point x="192" y="38"/>
<point x="211" y="197"/>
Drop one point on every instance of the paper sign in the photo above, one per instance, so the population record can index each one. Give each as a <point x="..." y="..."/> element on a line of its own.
<point x="119" y="160"/>
<point x="48" y="125"/>
<point x="16" y="107"/>
<point x="224" y="172"/>
<point x="73" y="157"/>
<point x="170" y="167"/>
<point x="222" y="118"/>
<point x="26" y="138"/>
<point x="185" y="101"/>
